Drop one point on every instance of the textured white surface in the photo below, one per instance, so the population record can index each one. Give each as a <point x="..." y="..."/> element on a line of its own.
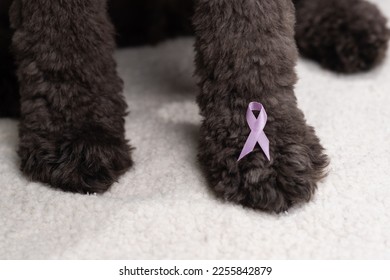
<point x="163" y="209"/>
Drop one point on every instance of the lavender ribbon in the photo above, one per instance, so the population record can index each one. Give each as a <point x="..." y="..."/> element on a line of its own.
<point x="257" y="134"/>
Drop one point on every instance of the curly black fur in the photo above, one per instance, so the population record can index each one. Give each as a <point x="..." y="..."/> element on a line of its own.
<point x="345" y="36"/>
<point x="72" y="111"/>
<point x="342" y="35"/>
<point x="246" y="52"/>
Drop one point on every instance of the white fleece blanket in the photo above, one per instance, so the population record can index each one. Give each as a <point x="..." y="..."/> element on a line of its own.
<point x="162" y="208"/>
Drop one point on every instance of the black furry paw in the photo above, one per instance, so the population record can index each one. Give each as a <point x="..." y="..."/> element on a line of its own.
<point x="344" y="36"/>
<point x="84" y="161"/>
<point x="297" y="159"/>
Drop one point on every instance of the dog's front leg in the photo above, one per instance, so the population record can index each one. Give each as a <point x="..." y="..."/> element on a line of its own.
<point x="246" y="53"/>
<point x="72" y="124"/>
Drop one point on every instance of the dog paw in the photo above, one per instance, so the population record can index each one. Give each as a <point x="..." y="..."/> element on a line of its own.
<point x="83" y="161"/>
<point x="343" y="36"/>
<point x="297" y="160"/>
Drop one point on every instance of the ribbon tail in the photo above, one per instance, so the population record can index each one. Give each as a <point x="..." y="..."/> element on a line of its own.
<point x="249" y="146"/>
<point x="264" y="144"/>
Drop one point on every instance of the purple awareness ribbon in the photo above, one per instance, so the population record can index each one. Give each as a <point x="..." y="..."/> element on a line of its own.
<point x="257" y="134"/>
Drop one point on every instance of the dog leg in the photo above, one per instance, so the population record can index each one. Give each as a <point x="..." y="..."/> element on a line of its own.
<point x="246" y="52"/>
<point x="72" y="110"/>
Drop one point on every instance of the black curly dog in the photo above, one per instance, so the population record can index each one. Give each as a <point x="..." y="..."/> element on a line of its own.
<point x="72" y="109"/>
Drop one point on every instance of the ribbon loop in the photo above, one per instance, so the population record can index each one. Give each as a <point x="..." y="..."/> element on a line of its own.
<point x="257" y="134"/>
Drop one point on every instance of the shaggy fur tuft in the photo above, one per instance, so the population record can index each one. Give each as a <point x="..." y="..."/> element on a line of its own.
<point x="345" y="36"/>
<point x="246" y="52"/>
<point x="72" y="111"/>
